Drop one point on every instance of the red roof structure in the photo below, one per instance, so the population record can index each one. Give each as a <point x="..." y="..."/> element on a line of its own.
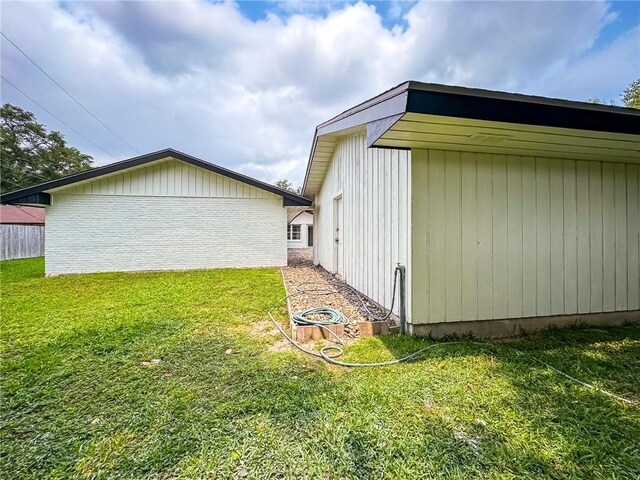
<point x="15" y="214"/>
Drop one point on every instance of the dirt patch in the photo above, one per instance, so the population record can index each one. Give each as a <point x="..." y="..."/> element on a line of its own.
<point x="263" y="328"/>
<point x="319" y="288"/>
<point x="281" y="345"/>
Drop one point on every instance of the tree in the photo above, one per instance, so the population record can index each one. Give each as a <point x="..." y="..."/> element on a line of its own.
<point x="285" y="184"/>
<point x="631" y="95"/>
<point x="599" y="101"/>
<point x="30" y="155"/>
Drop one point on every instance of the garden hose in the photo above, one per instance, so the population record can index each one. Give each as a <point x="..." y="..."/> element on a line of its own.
<point x="335" y="318"/>
<point x="330" y="353"/>
<point x="324" y="354"/>
<point x="337" y="286"/>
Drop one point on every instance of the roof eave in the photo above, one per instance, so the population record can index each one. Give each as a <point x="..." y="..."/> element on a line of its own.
<point x="523" y="109"/>
<point x="381" y="112"/>
<point x="40" y="191"/>
<point x="388" y="105"/>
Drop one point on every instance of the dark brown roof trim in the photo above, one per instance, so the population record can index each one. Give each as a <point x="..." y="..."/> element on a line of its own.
<point x="461" y="102"/>
<point x="523" y="109"/>
<point x="37" y="193"/>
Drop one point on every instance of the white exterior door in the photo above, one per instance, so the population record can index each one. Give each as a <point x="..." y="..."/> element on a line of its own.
<point x="338" y="232"/>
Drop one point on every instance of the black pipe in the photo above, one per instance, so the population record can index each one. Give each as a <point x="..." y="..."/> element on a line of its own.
<point x="403" y="312"/>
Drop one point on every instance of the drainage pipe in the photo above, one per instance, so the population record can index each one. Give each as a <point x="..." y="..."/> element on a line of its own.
<point x="403" y="312"/>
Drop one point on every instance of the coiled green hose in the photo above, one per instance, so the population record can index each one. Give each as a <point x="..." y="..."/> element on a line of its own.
<point x="336" y="317"/>
<point x="330" y="353"/>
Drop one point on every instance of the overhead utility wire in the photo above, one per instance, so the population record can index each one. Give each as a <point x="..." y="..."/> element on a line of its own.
<point x="12" y="183"/>
<point x="59" y="119"/>
<point x="69" y="95"/>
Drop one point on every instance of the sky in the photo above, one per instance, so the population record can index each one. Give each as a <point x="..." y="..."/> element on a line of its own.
<point x="243" y="84"/>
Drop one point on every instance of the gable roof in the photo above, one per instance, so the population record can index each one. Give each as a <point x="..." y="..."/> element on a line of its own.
<point x="39" y="194"/>
<point x="15" y="214"/>
<point x="411" y="103"/>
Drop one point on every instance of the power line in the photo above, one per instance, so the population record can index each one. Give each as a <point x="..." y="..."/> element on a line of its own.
<point x="33" y="174"/>
<point x="59" y="119"/>
<point x="12" y="183"/>
<point x="69" y="95"/>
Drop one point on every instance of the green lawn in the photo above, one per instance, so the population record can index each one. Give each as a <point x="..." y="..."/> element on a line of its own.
<point x="81" y="399"/>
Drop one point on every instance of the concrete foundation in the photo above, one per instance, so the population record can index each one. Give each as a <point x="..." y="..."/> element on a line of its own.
<point x="518" y="326"/>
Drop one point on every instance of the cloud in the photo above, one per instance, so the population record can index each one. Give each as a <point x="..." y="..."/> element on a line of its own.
<point x="603" y="74"/>
<point x="499" y="44"/>
<point x="206" y="79"/>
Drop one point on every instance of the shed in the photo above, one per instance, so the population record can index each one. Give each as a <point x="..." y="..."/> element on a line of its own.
<point x="21" y="232"/>
<point x="162" y="211"/>
<point x="509" y="212"/>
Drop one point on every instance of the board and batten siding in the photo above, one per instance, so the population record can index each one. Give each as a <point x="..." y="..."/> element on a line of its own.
<point x="170" y="178"/>
<point x="375" y="188"/>
<point x="501" y="236"/>
<point x="165" y="216"/>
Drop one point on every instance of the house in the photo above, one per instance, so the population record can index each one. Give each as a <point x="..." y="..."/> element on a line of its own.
<point x="162" y="211"/>
<point x="21" y="215"/>
<point x="300" y="228"/>
<point x="509" y="212"/>
<point x="21" y="232"/>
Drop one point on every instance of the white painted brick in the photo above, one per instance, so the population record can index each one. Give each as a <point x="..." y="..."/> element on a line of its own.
<point x="104" y="233"/>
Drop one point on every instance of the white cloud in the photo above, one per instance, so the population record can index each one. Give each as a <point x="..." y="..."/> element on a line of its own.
<point x="205" y="79"/>
<point x="603" y="74"/>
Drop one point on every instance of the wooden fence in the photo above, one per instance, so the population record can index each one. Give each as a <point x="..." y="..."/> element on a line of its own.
<point x="21" y="241"/>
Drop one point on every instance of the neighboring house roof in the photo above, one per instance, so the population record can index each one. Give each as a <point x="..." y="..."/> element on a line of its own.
<point x="39" y="194"/>
<point x="426" y="115"/>
<point x="15" y="214"/>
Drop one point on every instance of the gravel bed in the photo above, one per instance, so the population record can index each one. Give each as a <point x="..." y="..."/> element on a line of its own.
<point x="301" y="273"/>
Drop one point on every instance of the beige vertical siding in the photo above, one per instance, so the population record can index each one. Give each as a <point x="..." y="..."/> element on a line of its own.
<point x="375" y="188"/>
<point x="497" y="236"/>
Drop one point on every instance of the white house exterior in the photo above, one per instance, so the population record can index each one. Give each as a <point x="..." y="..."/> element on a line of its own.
<point x="505" y="214"/>
<point x="162" y="211"/>
<point x="364" y="202"/>
<point x="300" y="229"/>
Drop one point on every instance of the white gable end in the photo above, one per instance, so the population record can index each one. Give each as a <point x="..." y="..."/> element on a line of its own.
<point x="168" y="178"/>
<point x="303" y="219"/>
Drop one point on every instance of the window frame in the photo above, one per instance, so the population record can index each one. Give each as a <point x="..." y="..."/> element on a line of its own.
<point x="292" y="232"/>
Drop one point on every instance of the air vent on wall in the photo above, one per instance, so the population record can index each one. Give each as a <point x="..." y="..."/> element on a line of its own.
<point x="487" y="138"/>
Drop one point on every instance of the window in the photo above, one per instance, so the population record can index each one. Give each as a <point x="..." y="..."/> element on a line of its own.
<point x="293" y="232"/>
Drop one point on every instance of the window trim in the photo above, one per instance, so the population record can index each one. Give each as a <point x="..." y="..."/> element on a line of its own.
<point x="291" y="233"/>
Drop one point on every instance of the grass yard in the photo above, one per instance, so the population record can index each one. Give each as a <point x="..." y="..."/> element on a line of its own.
<point x="81" y="397"/>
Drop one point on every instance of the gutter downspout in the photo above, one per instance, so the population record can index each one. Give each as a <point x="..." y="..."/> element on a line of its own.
<point x="403" y="313"/>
